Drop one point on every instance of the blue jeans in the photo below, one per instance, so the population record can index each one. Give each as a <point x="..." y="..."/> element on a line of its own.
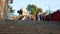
<point x="41" y="17"/>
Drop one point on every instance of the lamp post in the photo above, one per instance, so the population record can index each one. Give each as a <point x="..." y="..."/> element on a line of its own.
<point x="49" y="16"/>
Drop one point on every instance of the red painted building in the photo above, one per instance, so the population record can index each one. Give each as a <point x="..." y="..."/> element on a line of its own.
<point x="54" y="16"/>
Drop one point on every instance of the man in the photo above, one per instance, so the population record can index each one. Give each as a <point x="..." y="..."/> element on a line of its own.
<point x="40" y="17"/>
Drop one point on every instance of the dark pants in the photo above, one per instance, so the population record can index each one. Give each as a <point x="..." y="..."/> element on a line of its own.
<point x="41" y="17"/>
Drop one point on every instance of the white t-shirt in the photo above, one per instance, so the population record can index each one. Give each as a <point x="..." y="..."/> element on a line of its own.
<point x="39" y="17"/>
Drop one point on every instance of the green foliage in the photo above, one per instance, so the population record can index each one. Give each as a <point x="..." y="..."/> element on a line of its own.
<point x="33" y="8"/>
<point x="11" y="1"/>
<point x="39" y="10"/>
<point x="12" y="11"/>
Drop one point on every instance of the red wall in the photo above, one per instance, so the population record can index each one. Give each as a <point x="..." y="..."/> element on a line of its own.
<point x="54" y="17"/>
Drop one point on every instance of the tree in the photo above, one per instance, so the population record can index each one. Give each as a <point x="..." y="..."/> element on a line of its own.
<point x="12" y="11"/>
<point x="10" y="1"/>
<point x="33" y="8"/>
<point x="39" y="10"/>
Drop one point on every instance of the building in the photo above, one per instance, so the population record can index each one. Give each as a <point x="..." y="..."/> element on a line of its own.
<point x="54" y="16"/>
<point x="14" y="17"/>
<point x="2" y="3"/>
<point x="24" y="13"/>
<point x="4" y="8"/>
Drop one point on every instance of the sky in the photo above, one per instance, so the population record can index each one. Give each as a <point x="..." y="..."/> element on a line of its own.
<point x="44" y="4"/>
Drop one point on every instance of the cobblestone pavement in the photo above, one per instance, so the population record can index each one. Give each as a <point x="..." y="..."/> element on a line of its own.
<point x="29" y="27"/>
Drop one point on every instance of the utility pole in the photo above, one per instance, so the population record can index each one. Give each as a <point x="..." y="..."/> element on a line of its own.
<point x="49" y="16"/>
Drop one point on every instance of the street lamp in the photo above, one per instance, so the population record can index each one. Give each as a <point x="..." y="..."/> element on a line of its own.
<point x="49" y="16"/>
